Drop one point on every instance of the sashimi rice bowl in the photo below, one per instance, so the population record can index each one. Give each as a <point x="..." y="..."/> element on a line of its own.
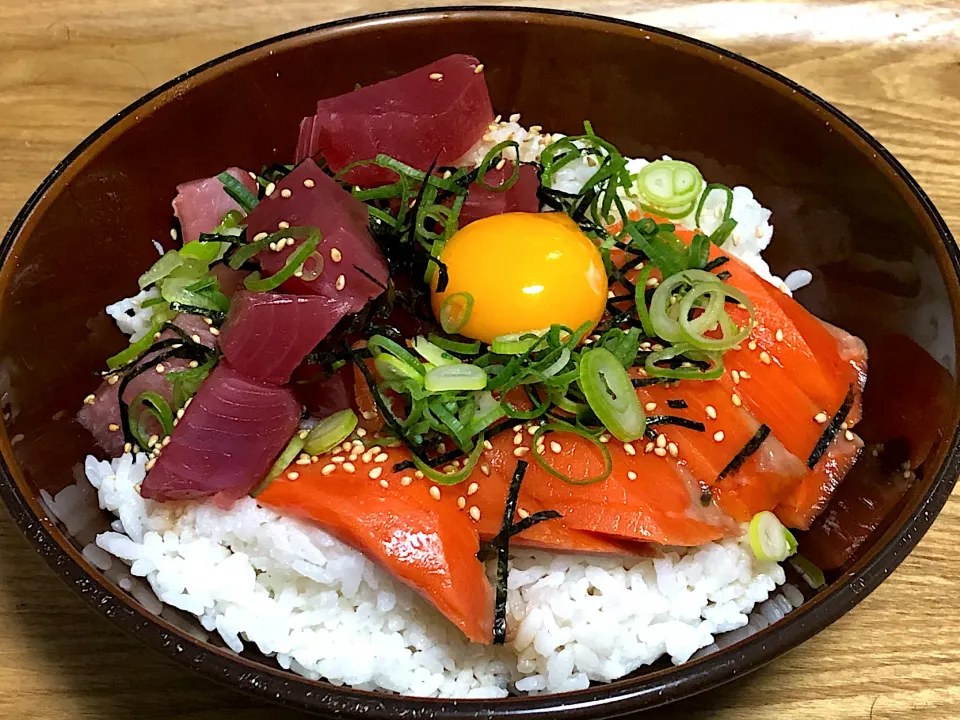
<point x="454" y="406"/>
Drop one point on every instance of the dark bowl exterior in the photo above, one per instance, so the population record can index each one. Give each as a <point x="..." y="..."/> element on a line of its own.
<point x="840" y="201"/>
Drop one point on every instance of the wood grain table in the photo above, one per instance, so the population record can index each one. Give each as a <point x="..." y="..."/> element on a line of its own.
<point x="68" y="65"/>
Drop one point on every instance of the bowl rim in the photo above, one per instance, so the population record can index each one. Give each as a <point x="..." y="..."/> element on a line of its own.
<point x="616" y="698"/>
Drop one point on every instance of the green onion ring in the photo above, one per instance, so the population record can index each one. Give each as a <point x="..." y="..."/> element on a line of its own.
<point x="456" y="477"/>
<point x="684" y="373"/>
<point x="542" y="462"/>
<point x="330" y="432"/>
<point x="288" y="455"/>
<point x="255" y="283"/>
<point x="455" y="311"/>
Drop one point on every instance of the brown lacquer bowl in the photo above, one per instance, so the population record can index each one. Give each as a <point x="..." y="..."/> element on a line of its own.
<point x="884" y="266"/>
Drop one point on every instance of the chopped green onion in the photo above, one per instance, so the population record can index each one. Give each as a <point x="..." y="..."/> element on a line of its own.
<point x="179" y="290"/>
<point x="769" y="539"/>
<point x="392" y="369"/>
<point x="643" y="312"/>
<point x="517" y="343"/>
<point x="610" y="394"/>
<point x="687" y="368"/>
<point x="295" y="261"/>
<point x="699" y="254"/>
<point x="452" y="478"/>
<point x="155" y="405"/>
<point x="455" y="311"/>
<point x="455" y="346"/>
<point x="719" y="236"/>
<point x="330" y="432"/>
<point x="432" y="353"/>
<point x="728" y="208"/>
<point x="161" y="268"/>
<point x="238" y="191"/>
<point x="493" y="157"/>
<point x="694" y="330"/>
<point x="455" y="377"/>
<point x="288" y="455"/>
<point x="670" y="186"/>
<point x="134" y="349"/>
<point x="542" y="461"/>
<point x="808" y="571"/>
<point x="378" y="344"/>
<point x="186" y="382"/>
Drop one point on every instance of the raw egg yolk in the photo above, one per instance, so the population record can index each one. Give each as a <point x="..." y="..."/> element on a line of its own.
<point x="525" y="271"/>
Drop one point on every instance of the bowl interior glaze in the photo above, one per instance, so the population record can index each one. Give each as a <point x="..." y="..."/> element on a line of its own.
<point x="882" y="259"/>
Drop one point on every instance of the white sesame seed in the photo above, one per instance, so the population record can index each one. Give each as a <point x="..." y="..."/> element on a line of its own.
<point x="283" y="225"/>
<point x="180" y="414"/>
<point x="650" y="406"/>
<point x="173" y="233"/>
<point x="673" y="449"/>
<point x="127" y="447"/>
<point x="327" y="469"/>
<point x="461" y="502"/>
<point x="532" y="429"/>
<point x="629" y="449"/>
<point x="308" y="182"/>
<point x="285" y="193"/>
<point x="487" y="445"/>
<point x="214" y="331"/>
<point x="293" y="475"/>
<point x="89" y="400"/>
<point x="604" y="438"/>
<point x="518" y="438"/>
<point x="660" y="452"/>
<point x="661" y="440"/>
<point x="384" y="484"/>
<point x="848" y="435"/>
<point x="166" y="441"/>
<point x="475" y="513"/>
<point x="341" y="282"/>
<point x="194" y="364"/>
<point x="406" y="480"/>
<point x="113" y="380"/>
<point x="718" y="436"/>
<point x="151" y="441"/>
<point x="472" y="488"/>
<point x="735" y="399"/>
<point x="375" y="473"/>
<point x="382" y="457"/>
<point x="361" y="432"/>
<point x="843" y="426"/>
<point x="711" y="412"/>
<point x="752" y="345"/>
<point x="758" y="232"/>
<point x="522" y="513"/>
<point x="779" y="335"/>
<point x="485" y="469"/>
<point x="268" y="191"/>
<point x="418" y="474"/>
<point x="478" y="69"/>
<point x="305" y="460"/>
<point x="765" y="358"/>
<point x="520" y="451"/>
<point x="820" y="417"/>
<point x="736" y="377"/>
<point x="555" y="446"/>
<point x="349" y="467"/>
<point x="160" y="368"/>
<point x="631" y="475"/>
<point x="744" y="374"/>
<point x="150" y="463"/>
<point x="436" y="76"/>
<point x="653" y="282"/>
<point x="648" y="448"/>
<point x="435" y="492"/>
<point x="259" y="236"/>
<point x="195" y="338"/>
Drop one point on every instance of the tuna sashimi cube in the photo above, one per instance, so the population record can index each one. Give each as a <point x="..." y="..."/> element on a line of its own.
<point x="226" y="441"/>
<point x="437" y="111"/>
<point x="520" y="197"/>
<point x="267" y="335"/>
<point x="201" y="204"/>
<point x="310" y="197"/>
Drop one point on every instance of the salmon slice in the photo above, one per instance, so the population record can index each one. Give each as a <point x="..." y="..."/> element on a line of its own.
<point x="813" y="493"/>
<point x="647" y="497"/>
<point x="425" y="544"/>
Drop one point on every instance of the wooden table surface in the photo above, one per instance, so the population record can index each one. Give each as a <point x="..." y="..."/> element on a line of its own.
<point x="68" y="65"/>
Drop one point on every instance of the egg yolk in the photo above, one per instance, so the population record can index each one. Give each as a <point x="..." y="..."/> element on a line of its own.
<point x="525" y="271"/>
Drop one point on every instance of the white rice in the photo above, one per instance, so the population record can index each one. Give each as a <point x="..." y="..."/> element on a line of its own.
<point x="323" y="610"/>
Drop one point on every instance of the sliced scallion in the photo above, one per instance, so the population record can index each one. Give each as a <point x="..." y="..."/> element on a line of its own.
<point x="455" y="377"/>
<point x="238" y="191"/>
<point x="330" y="432"/>
<point x="610" y="394"/>
<point x="255" y="283"/>
<point x="455" y="311"/>
<point x="769" y="539"/>
<point x="432" y="353"/>
<point x="289" y="454"/>
<point x="670" y="186"/>
<point x="161" y="268"/>
<point x="545" y="464"/>
<point x="517" y="343"/>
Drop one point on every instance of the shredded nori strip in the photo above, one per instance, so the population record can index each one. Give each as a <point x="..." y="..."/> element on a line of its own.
<point x="369" y="277"/>
<point x="724" y="275"/>
<point x="525" y="524"/>
<point x="830" y="433"/>
<point x="678" y="421"/>
<point x="749" y="449"/>
<point x="677" y="404"/>
<point x="646" y="381"/>
<point x="216" y="315"/>
<point x="715" y="263"/>
<point x="503" y="554"/>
